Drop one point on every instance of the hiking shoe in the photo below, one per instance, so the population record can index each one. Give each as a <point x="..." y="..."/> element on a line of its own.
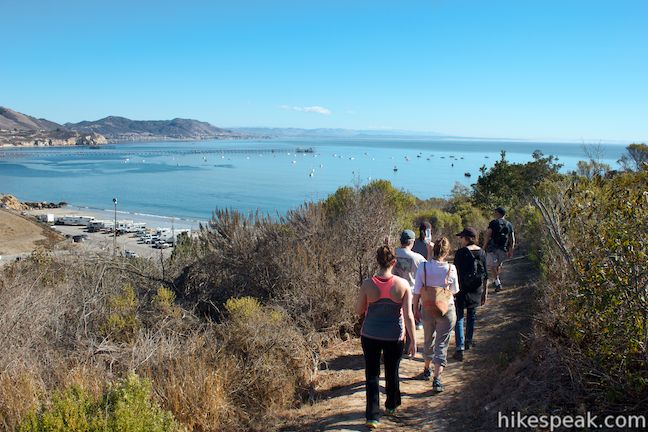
<point x="469" y="345"/>
<point x="458" y="355"/>
<point x="390" y="411"/>
<point x="436" y="385"/>
<point x="372" y="424"/>
<point x="426" y="375"/>
<point x="419" y="326"/>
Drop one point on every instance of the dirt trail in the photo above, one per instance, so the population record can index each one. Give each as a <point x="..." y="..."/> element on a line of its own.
<point x="341" y="391"/>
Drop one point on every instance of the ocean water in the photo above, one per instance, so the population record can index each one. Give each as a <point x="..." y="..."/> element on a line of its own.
<point x="188" y="180"/>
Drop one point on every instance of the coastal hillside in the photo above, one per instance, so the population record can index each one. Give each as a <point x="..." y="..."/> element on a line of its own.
<point x="10" y="119"/>
<point x="124" y="129"/>
<point x="18" y="129"/>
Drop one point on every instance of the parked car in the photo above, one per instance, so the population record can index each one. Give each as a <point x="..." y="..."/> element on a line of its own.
<point x="130" y="254"/>
<point x="160" y="244"/>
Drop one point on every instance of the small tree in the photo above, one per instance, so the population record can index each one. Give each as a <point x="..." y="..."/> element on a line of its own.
<point x="635" y="158"/>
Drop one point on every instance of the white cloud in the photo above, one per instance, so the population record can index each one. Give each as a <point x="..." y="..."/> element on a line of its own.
<point x="309" y="109"/>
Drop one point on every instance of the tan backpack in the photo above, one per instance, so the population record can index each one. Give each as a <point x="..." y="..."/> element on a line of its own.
<point x="435" y="299"/>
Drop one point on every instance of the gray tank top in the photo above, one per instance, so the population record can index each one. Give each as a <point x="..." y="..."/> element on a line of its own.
<point x="384" y="317"/>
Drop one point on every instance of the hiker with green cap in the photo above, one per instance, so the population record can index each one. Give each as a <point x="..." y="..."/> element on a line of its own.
<point x="407" y="263"/>
<point x="499" y="242"/>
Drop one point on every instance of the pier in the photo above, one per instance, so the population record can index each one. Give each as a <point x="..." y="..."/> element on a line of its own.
<point x="75" y="151"/>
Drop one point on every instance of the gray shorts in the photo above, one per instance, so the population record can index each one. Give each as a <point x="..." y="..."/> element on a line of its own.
<point x="495" y="258"/>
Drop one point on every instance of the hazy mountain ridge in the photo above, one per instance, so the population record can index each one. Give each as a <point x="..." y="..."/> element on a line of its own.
<point x="332" y="132"/>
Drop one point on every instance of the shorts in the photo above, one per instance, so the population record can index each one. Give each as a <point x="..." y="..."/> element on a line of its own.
<point x="495" y="257"/>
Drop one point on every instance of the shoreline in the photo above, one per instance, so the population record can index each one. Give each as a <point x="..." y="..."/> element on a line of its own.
<point x="133" y="141"/>
<point x="151" y="220"/>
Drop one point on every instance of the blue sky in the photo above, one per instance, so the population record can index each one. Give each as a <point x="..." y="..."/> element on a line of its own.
<point x="521" y="68"/>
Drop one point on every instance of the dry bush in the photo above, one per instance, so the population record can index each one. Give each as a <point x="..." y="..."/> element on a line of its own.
<point x="19" y="394"/>
<point x="308" y="262"/>
<point x="194" y="382"/>
<point x="210" y="376"/>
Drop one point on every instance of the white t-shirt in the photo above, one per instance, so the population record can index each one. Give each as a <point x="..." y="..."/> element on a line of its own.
<point x="407" y="263"/>
<point x="436" y="276"/>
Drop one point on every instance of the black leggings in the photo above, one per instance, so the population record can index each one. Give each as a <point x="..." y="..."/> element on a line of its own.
<point x="392" y="352"/>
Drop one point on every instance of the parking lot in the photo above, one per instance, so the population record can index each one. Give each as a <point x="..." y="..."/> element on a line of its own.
<point x="101" y="241"/>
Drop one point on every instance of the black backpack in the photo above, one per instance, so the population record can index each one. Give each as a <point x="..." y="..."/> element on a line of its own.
<point x="472" y="281"/>
<point x="501" y="234"/>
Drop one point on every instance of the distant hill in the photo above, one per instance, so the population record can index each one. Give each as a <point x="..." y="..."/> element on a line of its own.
<point x="18" y="129"/>
<point x="124" y="129"/>
<point x="10" y="119"/>
<point x="333" y="132"/>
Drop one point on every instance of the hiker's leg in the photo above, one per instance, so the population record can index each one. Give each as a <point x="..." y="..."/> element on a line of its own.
<point x="470" y="324"/>
<point x="371" y="350"/>
<point x="492" y="262"/>
<point x="428" y="339"/>
<point x="444" y="326"/>
<point x="392" y="357"/>
<point x="459" y="327"/>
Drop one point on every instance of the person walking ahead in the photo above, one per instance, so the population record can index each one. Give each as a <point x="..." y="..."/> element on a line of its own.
<point x="437" y="328"/>
<point x="407" y="263"/>
<point x="470" y="261"/>
<point x="423" y="244"/>
<point x="386" y="302"/>
<point x="499" y="242"/>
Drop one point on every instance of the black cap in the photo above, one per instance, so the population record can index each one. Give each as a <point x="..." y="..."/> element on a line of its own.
<point x="468" y="232"/>
<point x="500" y="210"/>
<point x="424" y="225"/>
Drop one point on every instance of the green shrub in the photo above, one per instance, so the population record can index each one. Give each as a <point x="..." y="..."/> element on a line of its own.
<point x="443" y="223"/>
<point x="513" y="184"/>
<point x="122" y="324"/>
<point x="125" y="407"/>
<point x="598" y="273"/>
<point x="164" y="302"/>
<point x="242" y="308"/>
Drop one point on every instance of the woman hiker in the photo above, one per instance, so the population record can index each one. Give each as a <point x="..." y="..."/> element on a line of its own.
<point x="436" y="328"/>
<point x="386" y="302"/>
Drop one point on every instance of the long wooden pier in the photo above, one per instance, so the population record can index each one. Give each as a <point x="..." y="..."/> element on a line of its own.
<point x="74" y="151"/>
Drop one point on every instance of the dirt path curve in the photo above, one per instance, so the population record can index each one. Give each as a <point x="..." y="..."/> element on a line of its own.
<point x="341" y="391"/>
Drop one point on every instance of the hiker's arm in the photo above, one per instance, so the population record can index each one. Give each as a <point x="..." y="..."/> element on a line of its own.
<point x="418" y="284"/>
<point x="417" y="311"/>
<point x="484" y="296"/>
<point x="409" y="320"/>
<point x="361" y="301"/>
<point x="487" y="236"/>
<point x="512" y="242"/>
